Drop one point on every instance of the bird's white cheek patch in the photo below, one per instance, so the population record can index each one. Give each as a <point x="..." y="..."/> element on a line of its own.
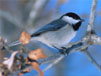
<point x="70" y="20"/>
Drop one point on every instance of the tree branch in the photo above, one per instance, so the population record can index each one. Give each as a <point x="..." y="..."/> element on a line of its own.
<point x="14" y="20"/>
<point x="35" y="12"/>
<point x="70" y="48"/>
<point x="92" y="16"/>
<point x="54" y="62"/>
<point x="92" y="59"/>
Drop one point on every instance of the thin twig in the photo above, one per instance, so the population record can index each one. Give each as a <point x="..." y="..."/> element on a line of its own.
<point x="54" y="62"/>
<point x="11" y="18"/>
<point x="92" y="16"/>
<point x="35" y="12"/>
<point x="92" y="59"/>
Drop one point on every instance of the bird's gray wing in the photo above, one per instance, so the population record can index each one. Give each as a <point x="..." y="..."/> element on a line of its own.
<point x="52" y="26"/>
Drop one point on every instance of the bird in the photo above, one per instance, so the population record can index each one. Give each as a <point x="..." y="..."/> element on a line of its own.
<point x="58" y="33"/>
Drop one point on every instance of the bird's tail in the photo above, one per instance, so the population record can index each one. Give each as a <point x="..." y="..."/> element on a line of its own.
<point x="14" y="43"/>
<point x="18" y="42"/>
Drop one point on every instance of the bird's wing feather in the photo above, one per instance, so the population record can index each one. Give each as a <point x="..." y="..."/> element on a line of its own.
<point x="52" y="26"/>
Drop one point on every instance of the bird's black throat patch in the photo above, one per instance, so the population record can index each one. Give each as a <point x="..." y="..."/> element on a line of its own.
<point x="76" y="26"/>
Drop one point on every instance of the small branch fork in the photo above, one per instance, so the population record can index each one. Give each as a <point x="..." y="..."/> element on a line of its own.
<point x="92" y="16"/>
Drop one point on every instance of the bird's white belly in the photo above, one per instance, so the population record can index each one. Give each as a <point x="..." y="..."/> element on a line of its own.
<point x="58" y="38"/>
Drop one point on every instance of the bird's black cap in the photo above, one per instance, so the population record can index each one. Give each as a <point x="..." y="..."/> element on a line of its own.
<point x="71" y="14"/>
<point x="76" y="17"/>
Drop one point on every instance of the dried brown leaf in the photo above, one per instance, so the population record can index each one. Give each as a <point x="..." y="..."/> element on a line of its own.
<point x="36" y="54"/>
<point x="35" y="66"/>
<point x="25" y="71"/>
<point x="25" y="38"/>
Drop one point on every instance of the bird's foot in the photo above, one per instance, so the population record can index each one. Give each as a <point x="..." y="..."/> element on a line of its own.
<point x="64" y="51"/>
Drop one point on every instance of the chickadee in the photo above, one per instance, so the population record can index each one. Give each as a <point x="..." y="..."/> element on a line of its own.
<point x="59" y="32"/>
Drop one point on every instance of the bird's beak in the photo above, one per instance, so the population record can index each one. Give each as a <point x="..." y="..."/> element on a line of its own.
<point x="82" y="20"/>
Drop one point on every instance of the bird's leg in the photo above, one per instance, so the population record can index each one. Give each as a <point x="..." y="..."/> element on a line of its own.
<point x="62" y="50"/>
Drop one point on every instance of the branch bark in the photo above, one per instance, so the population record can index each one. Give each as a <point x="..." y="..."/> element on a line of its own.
<point x="35" y="12"/>
<point x="13" y="19"/>
<point x="92" y="16"/>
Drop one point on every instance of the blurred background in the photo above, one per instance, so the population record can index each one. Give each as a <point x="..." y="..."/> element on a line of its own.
<point x="19" y="15"/>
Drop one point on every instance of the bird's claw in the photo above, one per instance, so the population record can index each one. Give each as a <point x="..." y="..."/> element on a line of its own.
<point x="64" y="51"/>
